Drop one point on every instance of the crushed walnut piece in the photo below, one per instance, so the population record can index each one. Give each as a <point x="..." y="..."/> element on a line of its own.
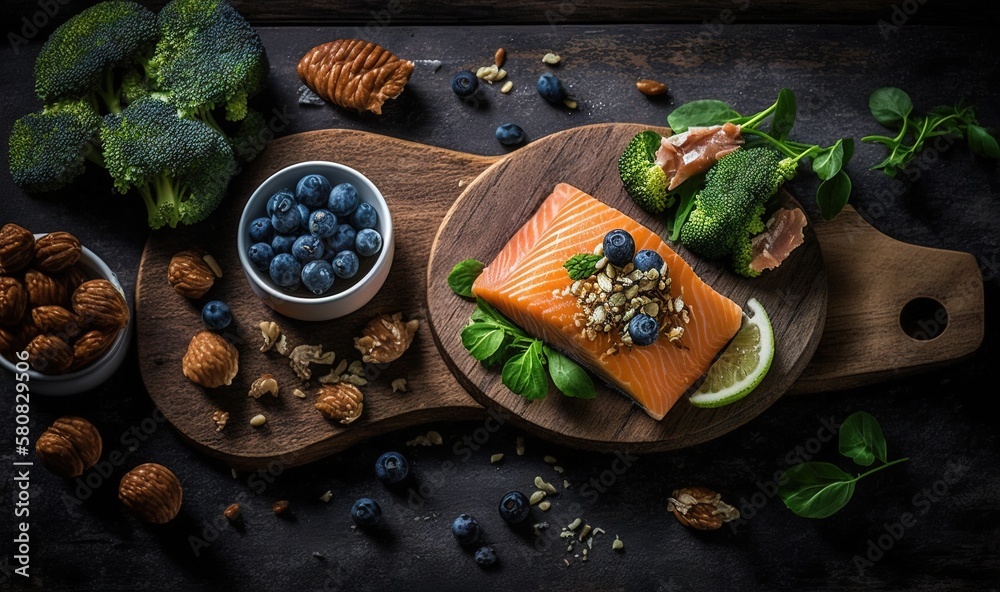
<point x="303" y="355"/>
<point x="351" y="374"/>
<point x="399" y="385"/>
<point x="385" y="338"/>
<point x="266" y="383"/>
<point x="270" y="331"/>
<point x="220" y="418"/>
<point x="701" y="508"/>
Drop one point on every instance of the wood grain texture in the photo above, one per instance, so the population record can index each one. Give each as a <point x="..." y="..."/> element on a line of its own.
<point x="419" y="191"/>
<point x="499" y="202"/>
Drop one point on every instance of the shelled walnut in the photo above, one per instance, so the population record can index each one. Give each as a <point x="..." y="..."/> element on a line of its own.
<point x="190" y="274"/>
<point x="69" y="446"/>
<point x="341" y="402"/>
<point x="13" y="301"/>
<point x="701" y="508"/>
<point x="56" y="252"/>
<point x="354" y="74"/>
<point x="17" y="247"/>
<point x="210" y="361"/>
<point x="92" y="345"/>
<point x="49" y="354"/>
<point x="99" y="304"/>
<point x="44" y="290"/>
<point x="152" y="492"/>
<point x="385" y="338"/>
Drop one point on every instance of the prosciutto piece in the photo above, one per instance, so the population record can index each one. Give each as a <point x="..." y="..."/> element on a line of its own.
<point x="782" y="235"/>
<point x="687" y="154"/>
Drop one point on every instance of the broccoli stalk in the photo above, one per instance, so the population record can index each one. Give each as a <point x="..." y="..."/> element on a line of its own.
<point x="729" y="211"/>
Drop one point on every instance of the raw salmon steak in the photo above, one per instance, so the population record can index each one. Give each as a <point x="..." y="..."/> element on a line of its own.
<point x="526" y="281"/>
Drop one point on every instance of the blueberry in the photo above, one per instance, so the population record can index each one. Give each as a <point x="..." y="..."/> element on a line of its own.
<point x="514" y="507"/>
<point x="272" y="202"/>
<point x="261" y="230"/>
<point x="368" y="242"/>
<point x="647" y="259"/>
<point x="343" y="199"/>
<point x="304" y="213"/>
<point x="286" y="217"/>
<point x="510" y="134"/>
<point x="342" y="239"/>
<point x="364" y="216"/>
<point x="465" y="83"/>
<point x="392" y="469"/>
<point x="260" y="255"/>
<point x="307" y="248"/>
<point x="366" y="512"/>
<point x="317" y="276"/>
<point x="486" y="556"/>
<point x="619" y="247"/>
<point x="644" y="329"/>
<point x="345" y="264"/>
<point x="312" y="190"/>
<point x="322" y="223"/>
<point x="216" y="315"/>
<point x="550" y="88"/>
<point x="285" y="270"/>
<point x="466" y="529"/>
<point x="282" y="243"/>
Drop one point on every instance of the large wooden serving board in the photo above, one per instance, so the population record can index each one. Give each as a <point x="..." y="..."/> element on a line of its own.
<point x="870" y="278"/>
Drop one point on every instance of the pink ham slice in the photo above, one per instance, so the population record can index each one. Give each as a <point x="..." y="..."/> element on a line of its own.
<point x="782" y="235"/>
<point x="694" y="151"/>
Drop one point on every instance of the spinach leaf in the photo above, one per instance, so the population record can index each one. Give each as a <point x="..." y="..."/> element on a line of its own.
<point x="568" y="376"/>
<point x="816" y="489"/>
<point x="829" y="161"/>
<point x="832" y="195"/>
<point x="483" y="339"/>
<point x="861" y="438"/>
<point x="463" y="275"/>
<point x="784" y="115"/>
<point x="890" y="106"/>
<point x="701" y="113"/>
<point x="982" y="143"/>
<point x="525" y="375"/>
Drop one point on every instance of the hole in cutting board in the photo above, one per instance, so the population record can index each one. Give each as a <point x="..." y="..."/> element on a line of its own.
<point x="923" y="319"/>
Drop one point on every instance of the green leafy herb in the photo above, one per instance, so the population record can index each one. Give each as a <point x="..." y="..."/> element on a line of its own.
<point x="463" y="275"/>
<point x="483" y="339"/>
<point x="820" y="489"/>
<point x="784" y="115"/>
<point x="832" y="195"/>
<point x="684" y="196"/>
<point x="582" y="266"/>
<point x="701" y="113"/>
<point x="893" y="108"/>
<point x="524" y="373"/>
<point x="568" y="376"/>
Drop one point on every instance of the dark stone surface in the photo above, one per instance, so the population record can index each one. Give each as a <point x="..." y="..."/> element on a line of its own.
<point x="81" y="540"/>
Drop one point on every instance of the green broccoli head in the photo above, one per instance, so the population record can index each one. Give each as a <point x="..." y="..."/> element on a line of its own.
<point x="644" y="180"/>
<point x="729" y="211"/>
<point x="48" y="148"/>
<point x="208" y="56"/>
<point x="79" y="58"/>
<point x="180" y="166"/>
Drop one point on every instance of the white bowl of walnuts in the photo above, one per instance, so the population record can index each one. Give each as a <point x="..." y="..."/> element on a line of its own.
<point x="64" y="319"/>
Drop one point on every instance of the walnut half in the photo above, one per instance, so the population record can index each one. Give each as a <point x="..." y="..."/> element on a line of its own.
<point x="354" y="74"/>
<point x="385" y="338"/>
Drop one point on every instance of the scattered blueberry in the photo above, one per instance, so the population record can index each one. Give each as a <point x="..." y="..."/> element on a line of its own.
<point x="466" y="529"/>
<point x="285" y="270"/>
<point x="260" y="255"/>
<point x="341" y="240"/>
<point x="304" y="213"/>
<point x="322" y="223"/>
<point x="366" y="512"/>
<point x="465" y="83"/>
<point x="286" y="217"/>
<point x="216" y="315"/>
<point x="514" y="507"/>
<point x="345" y="264"/>
<point x="364" y="216"/>
<point x="272" y="203"/>
<point x="307" y="248"/>
<point x="261" y="230"/>
<point x="368" y="242"/>
<point x="644" y="329"/>
<point x="282" y="243"/>
<point x="510" y="134"/>
<point x="486" y="556"/>
<point x="392" y="469"/>
<point x="619" y="247"/>
<point x="343" y="199"/>
<point x="550" y="88"/>
<point x="317" y="276"/>
<point x="312" y="190"/>
<point x="647" y="259"/>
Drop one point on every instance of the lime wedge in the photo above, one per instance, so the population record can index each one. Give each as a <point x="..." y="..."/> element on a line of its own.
<point x="744" y="363"/>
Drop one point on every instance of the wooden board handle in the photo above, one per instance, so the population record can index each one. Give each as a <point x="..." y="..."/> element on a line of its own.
<point x="894" y="308"/>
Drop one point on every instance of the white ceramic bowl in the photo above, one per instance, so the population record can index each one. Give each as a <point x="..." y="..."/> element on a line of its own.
<point x="346" y="296"/>
<point x="98" y="371"/>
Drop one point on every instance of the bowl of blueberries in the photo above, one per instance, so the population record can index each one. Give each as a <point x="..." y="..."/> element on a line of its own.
<point x="315" y="241"/>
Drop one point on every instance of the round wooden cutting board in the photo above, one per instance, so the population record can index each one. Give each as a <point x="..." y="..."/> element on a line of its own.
<point x="502" y="199"/>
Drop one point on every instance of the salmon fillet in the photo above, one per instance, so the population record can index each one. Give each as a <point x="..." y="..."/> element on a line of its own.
<point x="525" y="280"/>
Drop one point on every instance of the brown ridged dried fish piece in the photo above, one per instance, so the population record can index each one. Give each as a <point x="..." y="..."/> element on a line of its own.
<point x="354" y="74"/>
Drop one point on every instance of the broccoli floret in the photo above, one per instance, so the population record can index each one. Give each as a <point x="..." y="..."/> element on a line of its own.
<point x="180" y="166"/>
<point x="729" y="211"/>
<point x="252" y="135"/>
<point x="80" y="58"/>
<point x="644" y="180"/>
<point x="208" y="56"/>
<point x="48" y="149"/>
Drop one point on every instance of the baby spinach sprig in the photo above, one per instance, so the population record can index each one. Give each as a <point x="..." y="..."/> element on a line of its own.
<point x="828" y="162"/>
<point x="527" y="363"/>
<point x="893" y="108"/>
<point x="820" y="489"/>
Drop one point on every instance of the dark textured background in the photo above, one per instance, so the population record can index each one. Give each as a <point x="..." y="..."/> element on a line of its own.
<point x="940" y="419"/>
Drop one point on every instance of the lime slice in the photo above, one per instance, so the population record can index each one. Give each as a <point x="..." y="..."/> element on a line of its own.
<point x="744" y="363"/>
